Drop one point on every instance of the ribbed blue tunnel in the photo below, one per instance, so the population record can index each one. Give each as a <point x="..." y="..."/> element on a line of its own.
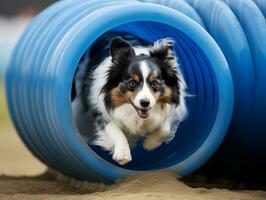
<point x="204" y="98"/>
<point x="42" y="68"/>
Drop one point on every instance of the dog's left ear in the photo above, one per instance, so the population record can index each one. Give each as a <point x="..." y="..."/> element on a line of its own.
<point x="120" y="49"/>
<point x="163" y="50"/>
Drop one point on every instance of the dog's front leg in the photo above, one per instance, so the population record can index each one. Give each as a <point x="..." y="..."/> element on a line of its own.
<point x="156" y="138"/>
<point x="121" y="150"/>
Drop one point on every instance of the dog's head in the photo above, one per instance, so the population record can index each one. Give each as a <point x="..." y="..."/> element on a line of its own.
<point x="142" y="80"/>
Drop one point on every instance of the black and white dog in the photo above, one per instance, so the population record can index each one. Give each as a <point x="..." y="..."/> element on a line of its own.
<point x="134" y="92"/>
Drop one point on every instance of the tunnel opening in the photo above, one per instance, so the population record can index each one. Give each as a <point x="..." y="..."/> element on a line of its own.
<point x="202" y="101"/>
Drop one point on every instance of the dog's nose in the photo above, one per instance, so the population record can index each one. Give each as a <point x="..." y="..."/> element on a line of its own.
<point x="145" y="103"/>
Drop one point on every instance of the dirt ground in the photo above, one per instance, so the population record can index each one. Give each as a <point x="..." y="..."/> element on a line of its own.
<point x="23" y="177"/>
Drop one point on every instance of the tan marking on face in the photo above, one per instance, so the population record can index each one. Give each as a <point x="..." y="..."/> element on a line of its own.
<point x="156" y="95"/>
<point x="152" y="78"/>
<point x="136" y="78"/>
<point x="118" y="98"/>
<point x="167" y="96"/>
<point x="130" y="95"/>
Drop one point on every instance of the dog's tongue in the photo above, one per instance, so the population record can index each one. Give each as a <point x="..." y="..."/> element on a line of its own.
<point x="144" y="113"/>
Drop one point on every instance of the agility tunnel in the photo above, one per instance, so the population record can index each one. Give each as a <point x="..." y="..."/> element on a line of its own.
<point x="221" y="48"/>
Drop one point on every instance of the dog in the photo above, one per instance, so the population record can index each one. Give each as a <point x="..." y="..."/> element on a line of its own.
<point x="135" y="92"/>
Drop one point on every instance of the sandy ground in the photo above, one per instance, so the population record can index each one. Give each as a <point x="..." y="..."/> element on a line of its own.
<point x="23" y="177"/>
<point x="20" y="180"/>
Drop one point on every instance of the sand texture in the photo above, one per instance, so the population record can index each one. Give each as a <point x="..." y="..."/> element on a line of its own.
<point x="19" y="180"/>
<point x="161" y="186"/>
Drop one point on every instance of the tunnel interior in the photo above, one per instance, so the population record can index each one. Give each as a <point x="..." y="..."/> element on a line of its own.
<point x="202" y="101"/>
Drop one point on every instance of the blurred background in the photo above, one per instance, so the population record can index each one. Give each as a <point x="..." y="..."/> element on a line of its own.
<point x="15" y="159"/>
<point x="14" y="17"/>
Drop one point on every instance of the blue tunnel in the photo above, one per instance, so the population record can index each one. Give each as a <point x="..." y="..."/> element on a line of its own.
<point x="221" y="48"/>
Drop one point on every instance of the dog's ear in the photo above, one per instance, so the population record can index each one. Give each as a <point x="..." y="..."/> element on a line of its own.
<point x="163" y="50"/>
<point x="120" y="49"/>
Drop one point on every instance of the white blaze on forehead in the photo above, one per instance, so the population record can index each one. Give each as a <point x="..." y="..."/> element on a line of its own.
<point x="145" y="92"/>
<point x="145" y="70"/>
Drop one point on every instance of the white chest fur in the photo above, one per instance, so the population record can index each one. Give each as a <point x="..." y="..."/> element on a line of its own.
<point x="128" y="120"/>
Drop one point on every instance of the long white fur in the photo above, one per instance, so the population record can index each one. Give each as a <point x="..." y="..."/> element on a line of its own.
<point x="123" y="120"/>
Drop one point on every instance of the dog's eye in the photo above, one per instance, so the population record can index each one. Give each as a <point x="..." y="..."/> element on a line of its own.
<point x="131" y="85"/>
<point x="155" y="85"/>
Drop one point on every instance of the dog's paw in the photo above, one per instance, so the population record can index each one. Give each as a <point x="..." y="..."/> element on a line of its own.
<point x="122" y="156"/>
<point x="151" y="144"/>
